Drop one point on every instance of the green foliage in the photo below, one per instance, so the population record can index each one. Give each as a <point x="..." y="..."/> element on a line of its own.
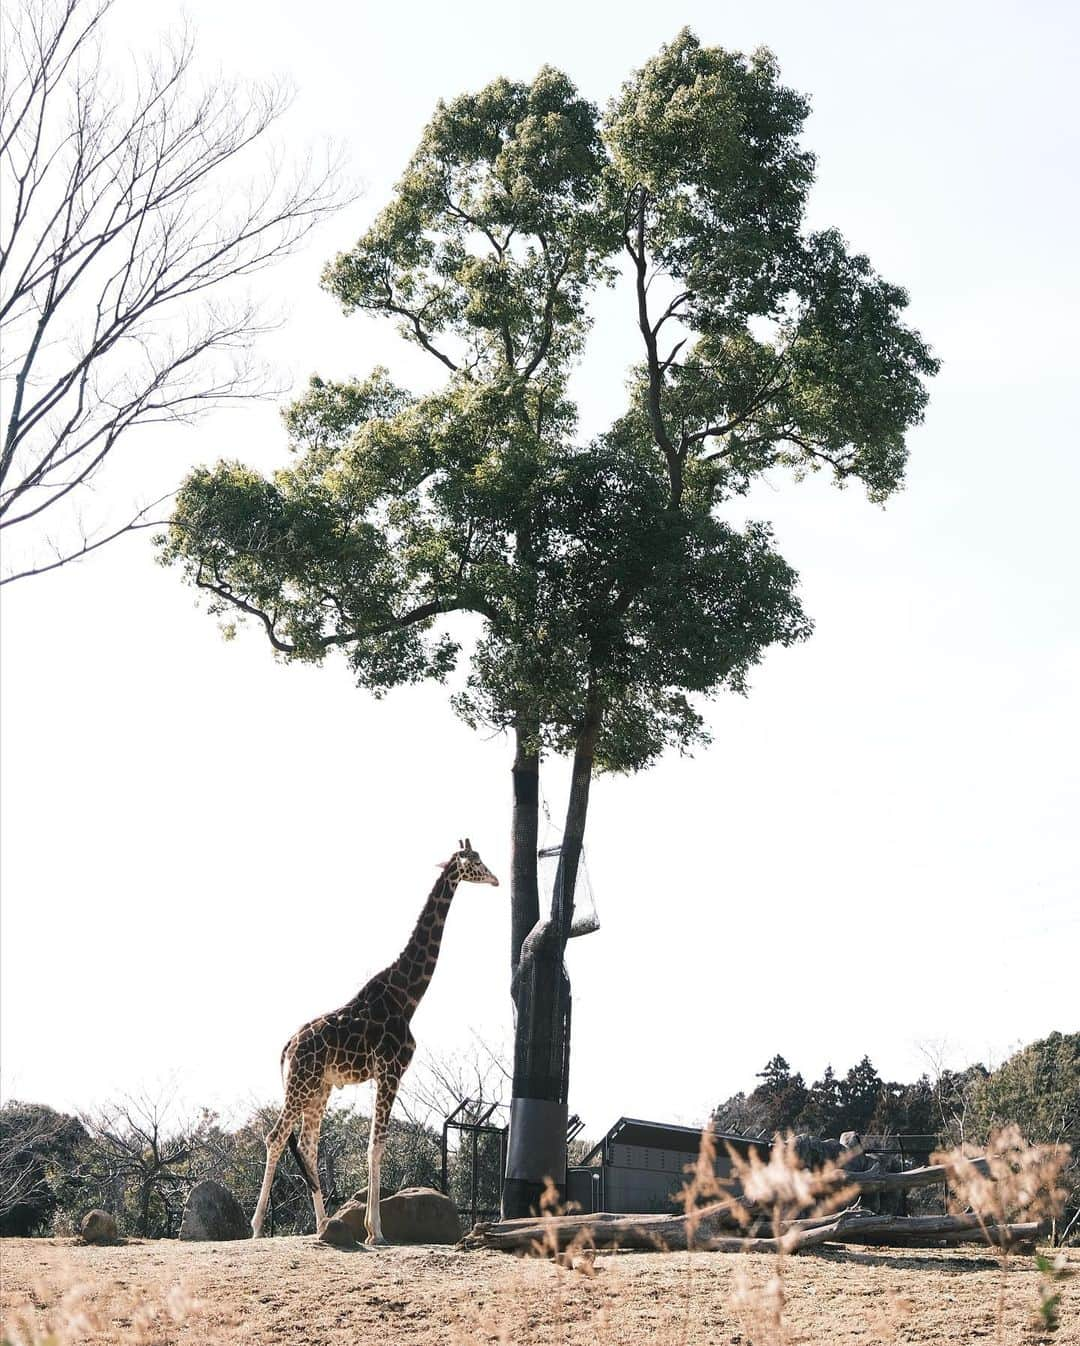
<point x="1038" y="1088"/>
<point x="641" y="610"/>
<point x="136" y="1162"/>
<point x="712" y="137"/>
<point x="1052" y="1272"/>
<point x="40" y="1154"/>
<point x="782" y="1094"/>
<point x="237" y="1158"/>
<point x="858" y="1101"/>
<point x="496" y="231"/>
<point x="604" y="578"/>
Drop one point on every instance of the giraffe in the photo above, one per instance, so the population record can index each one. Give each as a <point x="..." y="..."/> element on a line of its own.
<point x="367" y="1039"/>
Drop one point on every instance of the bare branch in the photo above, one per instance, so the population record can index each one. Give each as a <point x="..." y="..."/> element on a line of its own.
<point x="133" y="525"/>
<point x="126" y="217"/>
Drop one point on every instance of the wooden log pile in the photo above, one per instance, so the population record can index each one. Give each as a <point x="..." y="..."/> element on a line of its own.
<point x="716" y="1227"/>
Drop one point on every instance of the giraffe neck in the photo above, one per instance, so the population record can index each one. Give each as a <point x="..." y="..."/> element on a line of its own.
<point x="416" y="963"/>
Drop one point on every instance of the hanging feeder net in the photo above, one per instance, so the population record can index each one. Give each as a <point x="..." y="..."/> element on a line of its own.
<point x="586" y="917"/>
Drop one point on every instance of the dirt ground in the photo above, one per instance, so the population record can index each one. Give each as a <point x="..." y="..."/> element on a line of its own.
<point x="296" y="1290"/>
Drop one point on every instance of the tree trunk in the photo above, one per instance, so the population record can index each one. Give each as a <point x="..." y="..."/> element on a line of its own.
<point x="144" y="1207"/>
<point x="524" y="896"/>
<point x="536" y="1153"/>
<point x="577" y="809"/>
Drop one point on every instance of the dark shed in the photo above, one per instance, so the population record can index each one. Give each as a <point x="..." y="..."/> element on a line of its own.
<point x="640" y="1167"/>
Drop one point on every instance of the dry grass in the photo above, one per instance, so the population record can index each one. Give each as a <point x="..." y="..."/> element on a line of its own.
<point x="1022" y="1181"/>
<point x="59" y="1293"/>
<point x="296" y="1290"/>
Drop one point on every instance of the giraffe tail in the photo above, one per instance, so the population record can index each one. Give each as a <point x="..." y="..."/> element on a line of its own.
<point x="300" y="1164"/>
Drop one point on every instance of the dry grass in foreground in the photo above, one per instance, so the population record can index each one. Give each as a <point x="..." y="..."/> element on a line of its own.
<point x="288" y="1290"/>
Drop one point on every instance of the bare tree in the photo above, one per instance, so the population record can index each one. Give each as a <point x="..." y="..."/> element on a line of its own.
<point x="139" y="1151"/>
<point x="125" y="219"/>
<point x="438" y="1083"/>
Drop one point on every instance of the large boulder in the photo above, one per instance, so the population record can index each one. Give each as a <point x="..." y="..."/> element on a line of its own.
<point x="360" y="1198"/>
<point x="212" y="1212"/>
<point x="98" y="1226"/>
<point x="413" y="1215"/>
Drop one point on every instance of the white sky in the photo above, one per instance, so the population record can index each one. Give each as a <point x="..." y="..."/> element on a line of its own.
<point x="202" y="849"/>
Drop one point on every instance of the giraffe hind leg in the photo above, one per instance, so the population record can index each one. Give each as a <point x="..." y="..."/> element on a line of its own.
<point x="306" y="1152"/>
<point x="276" y="1141"/>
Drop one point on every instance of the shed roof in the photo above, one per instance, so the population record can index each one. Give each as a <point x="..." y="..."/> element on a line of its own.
<point x="669" y="1136"/>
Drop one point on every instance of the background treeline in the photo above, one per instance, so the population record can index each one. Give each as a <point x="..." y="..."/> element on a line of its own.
<point x="859" y="1101"/>
<point x="1038" y="1088"/>
<point x="140" y="1157"/>
<point x="139" y="1160"/>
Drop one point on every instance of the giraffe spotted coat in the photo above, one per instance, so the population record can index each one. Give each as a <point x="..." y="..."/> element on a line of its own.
<point x="367" y="1039"/>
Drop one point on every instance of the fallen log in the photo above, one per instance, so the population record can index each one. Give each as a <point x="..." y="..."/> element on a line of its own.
<point x="901" y="1231"/>
<point x="604" y="1230"/>
<point x="966" y="1230"/>
<point x="912" y="1177"/>
<point x="676" y="1233"/>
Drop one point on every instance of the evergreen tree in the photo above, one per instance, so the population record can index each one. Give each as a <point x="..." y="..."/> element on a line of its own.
<point x="612" y="589"/>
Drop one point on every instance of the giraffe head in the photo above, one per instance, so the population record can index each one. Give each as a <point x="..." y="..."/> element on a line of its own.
<point x="470" y="868"/>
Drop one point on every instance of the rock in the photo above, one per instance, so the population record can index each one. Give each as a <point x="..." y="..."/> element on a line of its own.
<point x="338" y="1234"/>
<point x="212" y="1212"/>
<point x="833" y="1150"/>
<point x="810" y="1150"/>
<point x="98" y="1226"/>
<point x="354" y="1212"/>
<point x="853" y="1158"/>
<point x="413" y="1215"/>
<point x="360" y="1198"/>
<point x="351" y="1215"/>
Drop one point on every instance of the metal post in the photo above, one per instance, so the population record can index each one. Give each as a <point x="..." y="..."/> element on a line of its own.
<point x="475" y="1174"/>
<point x="903" y="1165"/>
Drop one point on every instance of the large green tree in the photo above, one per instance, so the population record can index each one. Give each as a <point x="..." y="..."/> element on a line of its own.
<point x="612" y="587"/>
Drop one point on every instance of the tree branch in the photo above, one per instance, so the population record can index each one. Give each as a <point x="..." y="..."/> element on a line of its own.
<point x="637" y="250"/>
<point x="128" y="216"/>
<point x="423" y="612"/>
<point x="133" y="525"/>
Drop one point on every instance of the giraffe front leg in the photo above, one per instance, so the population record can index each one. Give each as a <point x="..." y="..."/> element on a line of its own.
<point x="385" y="1093"/>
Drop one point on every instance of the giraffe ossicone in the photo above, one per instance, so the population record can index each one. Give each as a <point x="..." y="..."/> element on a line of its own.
<point x="367" y="1039"/>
